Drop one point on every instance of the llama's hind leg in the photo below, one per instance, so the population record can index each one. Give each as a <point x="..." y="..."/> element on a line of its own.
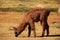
<point x="29" y="31"/>
<point x="43" y="27"/>
<point x="47" y="29"/>
<point x="43" y="31"/>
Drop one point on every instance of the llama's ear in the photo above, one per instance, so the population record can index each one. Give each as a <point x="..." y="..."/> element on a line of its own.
<point x="14" y="28"/>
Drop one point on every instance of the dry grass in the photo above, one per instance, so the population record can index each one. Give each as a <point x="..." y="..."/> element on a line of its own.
<point x="10" y="19"/>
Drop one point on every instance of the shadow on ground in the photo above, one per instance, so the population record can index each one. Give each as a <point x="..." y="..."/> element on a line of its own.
<point x="57" y="35"/>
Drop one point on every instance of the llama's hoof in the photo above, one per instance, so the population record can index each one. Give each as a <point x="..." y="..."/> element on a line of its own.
<point x="42" y="36"/>
<point x="47" y="35"/>
<point x="34" y="36"/>
<point x="28" y="36"/>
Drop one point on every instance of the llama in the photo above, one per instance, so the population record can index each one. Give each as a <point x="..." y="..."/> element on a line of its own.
<point x="34" y="15"/>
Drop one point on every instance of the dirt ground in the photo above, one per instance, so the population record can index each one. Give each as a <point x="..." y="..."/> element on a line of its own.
<point x="12" y="19"/>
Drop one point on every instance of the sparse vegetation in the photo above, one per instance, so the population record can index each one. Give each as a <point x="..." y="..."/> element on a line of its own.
<point x="22" y="9"/>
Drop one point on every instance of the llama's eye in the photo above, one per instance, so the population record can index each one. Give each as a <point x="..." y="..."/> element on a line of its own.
<point x="15" y="32"/>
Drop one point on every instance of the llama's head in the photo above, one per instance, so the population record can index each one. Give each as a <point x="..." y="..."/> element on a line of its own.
<point x="19" y="30"/>
<point x="15" y="32"/>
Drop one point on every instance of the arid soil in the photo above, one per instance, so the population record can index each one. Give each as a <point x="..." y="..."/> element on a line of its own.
<point x="12" y="19"/>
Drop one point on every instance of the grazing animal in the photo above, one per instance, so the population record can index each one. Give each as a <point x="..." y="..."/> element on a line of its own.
<point x="34" y="15"/>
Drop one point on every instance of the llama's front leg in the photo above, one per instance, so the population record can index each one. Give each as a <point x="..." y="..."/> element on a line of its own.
<point x="32" y="27"/>
<point x="29" y="31"/>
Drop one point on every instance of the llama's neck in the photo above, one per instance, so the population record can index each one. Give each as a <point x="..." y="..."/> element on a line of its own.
<point x="21" y="27"/>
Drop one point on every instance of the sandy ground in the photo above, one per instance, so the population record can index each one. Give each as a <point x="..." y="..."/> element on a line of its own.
<point x="11" y="19"/>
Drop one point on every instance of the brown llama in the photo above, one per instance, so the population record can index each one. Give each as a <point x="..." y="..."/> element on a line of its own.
<point x="34" y="15"/>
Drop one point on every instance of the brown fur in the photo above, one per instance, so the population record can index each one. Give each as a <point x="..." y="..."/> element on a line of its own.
<point x="34" y="15"/>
